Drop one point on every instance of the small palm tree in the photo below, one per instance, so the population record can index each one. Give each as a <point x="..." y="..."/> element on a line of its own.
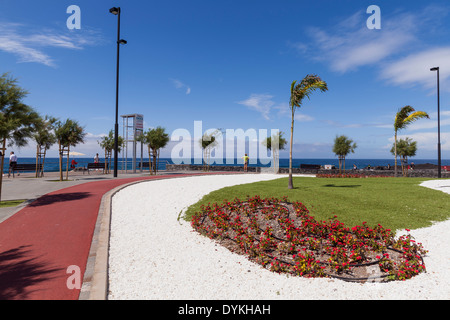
<point x="155" y="139"/>
<point x="405" y="148"/>
<point x="275" y="143"/>
<point x="403" y="118"/>
<point x="107" y="144"/>
<point x="207" y="143"/>
<point x="299" y="91"/>
<point x="44" y="138"/>
<point x="342" y="147"/>
<point x="68" y="134"/>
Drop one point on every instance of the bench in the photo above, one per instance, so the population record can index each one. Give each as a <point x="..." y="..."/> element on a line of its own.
<point x="144" y="164"/>
<point x="96" y="166"/>
<point x="28" y="167"/>
<point x="24" y="167"/>
<point x="310" y="166"/>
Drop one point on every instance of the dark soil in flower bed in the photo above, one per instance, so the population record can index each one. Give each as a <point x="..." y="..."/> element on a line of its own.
<point x="283" y="237"/>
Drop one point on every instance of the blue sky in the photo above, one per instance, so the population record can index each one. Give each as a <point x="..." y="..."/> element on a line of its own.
<point x="230" y="64"/>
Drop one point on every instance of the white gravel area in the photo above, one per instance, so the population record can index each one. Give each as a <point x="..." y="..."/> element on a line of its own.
<point x="153" y="255"/>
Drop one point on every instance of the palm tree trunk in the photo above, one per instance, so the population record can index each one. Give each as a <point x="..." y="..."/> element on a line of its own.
<point x="60" y="163"/>
<point x="1" y="168"/>
<point x="150" y="160"/>
<point x="395" y="152"/>
<point x="38" y="148"/>
<point x="291" y="185"/>
<point x="157" y="164"/>
<point x="67" y="163"/>
<point x="154" y="161"/>
<point x="344" y="165"/>
<point x="43" y="163"/>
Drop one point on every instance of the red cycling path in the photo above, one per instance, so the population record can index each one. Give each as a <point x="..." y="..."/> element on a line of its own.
<point x="40" y="242"/>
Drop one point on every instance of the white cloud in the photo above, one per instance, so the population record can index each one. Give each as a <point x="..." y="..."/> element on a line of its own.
<point x="415" y="69"/>
<point x="180" y="85"/>
<point x="394" y="48"/>
<point x="352" y="45"/>
<point x="303" y="117"/>
<point x="264" y="104"/>
<point x="16" y="39"/>
<point x="428" y="140"/>
<point x="259" y="102"/>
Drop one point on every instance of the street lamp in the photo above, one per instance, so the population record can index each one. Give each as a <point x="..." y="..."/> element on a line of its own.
<point x="116" y="11"/>
<point x="439" y="123"/>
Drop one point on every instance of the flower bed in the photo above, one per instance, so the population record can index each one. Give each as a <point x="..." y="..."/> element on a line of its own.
<point x="283" y="237"/>
<point x="348" y="175"/>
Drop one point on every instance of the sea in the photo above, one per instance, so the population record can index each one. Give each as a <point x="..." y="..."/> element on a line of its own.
<point x="52" y="164"/>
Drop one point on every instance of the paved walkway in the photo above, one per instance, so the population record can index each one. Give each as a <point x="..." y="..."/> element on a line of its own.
<point x="43" y="244"/>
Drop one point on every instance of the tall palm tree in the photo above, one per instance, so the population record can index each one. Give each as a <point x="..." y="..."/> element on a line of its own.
<point x="68" y="134"/>
<point x="17" y="120"/>
<point x="342" y="147"/>
<point x="403" y="118"/>
<point x="299" y="91"/>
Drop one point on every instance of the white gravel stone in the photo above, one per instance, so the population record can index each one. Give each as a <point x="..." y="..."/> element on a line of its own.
<point x="153" y="255"/>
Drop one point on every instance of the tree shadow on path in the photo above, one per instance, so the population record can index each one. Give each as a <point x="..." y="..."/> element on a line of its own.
<point x="20" y="271"/>
<point x="60" y="197"/>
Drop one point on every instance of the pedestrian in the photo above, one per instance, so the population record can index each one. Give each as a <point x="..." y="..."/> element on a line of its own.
<point x="73" y="164"/>
<point x="12" y="163"/>
<point x="96" y="158"/>
<point x="245" y="162"/>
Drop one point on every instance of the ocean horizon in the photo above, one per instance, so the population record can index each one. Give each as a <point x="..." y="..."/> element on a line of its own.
<point x="52" y="164"/>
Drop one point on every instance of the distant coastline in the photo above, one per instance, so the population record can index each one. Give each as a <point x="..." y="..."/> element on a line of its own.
<point x="52" y="164"/>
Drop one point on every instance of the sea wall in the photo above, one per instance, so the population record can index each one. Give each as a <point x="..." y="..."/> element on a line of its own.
<point x="426" y="173"/>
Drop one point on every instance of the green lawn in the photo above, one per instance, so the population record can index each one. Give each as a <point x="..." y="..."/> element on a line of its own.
<point x="10" y="203"/>
<point x="395" y="203"/>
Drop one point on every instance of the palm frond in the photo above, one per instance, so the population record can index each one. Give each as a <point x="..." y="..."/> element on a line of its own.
<point x="415" y="116"/>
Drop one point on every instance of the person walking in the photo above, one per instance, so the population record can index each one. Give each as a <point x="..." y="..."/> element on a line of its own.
<point x="12" y="163"/>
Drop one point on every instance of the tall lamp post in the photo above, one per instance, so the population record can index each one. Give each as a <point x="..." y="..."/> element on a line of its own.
<point x="439" y="123"/>
<point x="116" y="11"/>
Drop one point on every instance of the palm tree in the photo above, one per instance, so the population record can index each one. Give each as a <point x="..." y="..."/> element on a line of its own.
<point x="45" y="138"/>
<point x="403" y="118"/>
<point x="17" y="121"/>
<point x="405" y="148"/>
<point x="275" y="143"/>
<point x="207" y="142"/>
<point x="107" y="144"/>
<point x="299" y="91"/>
<point x="155" y="139"/>
<point x="342" y="147"/>
<point x="68" y="134"/>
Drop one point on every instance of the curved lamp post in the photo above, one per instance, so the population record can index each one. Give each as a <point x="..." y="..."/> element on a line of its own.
<point x="116" y="11"/>
<point x="439" y="123"/>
